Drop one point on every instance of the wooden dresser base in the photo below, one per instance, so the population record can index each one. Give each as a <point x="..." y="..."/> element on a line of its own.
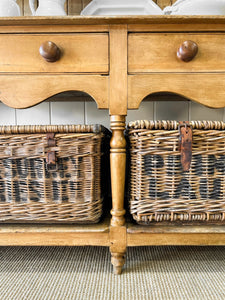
<point x="117" y="238"/>
<point x="117" y="80"/>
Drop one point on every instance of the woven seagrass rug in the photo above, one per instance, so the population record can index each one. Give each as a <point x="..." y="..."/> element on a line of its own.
<point x="86" y="273"/>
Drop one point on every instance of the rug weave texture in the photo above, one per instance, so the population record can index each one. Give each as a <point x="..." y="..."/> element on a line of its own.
<point x="42" y="273"/>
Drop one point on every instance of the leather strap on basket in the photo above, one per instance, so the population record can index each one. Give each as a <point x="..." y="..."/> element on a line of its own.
<point x="185" y="144"/>
<point x="51" y="156"/>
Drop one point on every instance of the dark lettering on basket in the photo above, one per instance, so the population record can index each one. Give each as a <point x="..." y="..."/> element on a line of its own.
<point x="34" y="187"/>
<point x="173" y="164"/>
<point x="197" y="164"/>
<point x="210" y="167"/>
<point x="22" y="167"/>
<point x="152" y="163"/>
<point x="10" y="170"/>
<point x="216" y="189"/>
<point x="185" y="190"/>
<point x="55" y="188"/>
<point x="220" y="164"/>
<point x="203" y="188"/>
<point x="63" y="167"/>
<point x="64" y="187"/>
<point x="209" y="186"/>
<point x="19" y="191"/>
<point x="2" y="191"/>
<point x="36" y="168"/>
<point x="154" y="192"/>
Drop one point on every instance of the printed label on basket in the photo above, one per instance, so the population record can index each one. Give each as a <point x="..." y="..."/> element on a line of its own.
<point x="23" y="180"/>
<point x="208" y="171"/>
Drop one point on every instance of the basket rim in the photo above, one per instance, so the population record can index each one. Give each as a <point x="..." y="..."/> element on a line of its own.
<point x="28" y="129"/>
<point x="174" y="125"/>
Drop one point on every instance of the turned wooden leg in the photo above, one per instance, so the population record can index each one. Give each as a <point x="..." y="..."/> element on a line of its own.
<point x="118" y="168"/>
<point x="118" y="261"/>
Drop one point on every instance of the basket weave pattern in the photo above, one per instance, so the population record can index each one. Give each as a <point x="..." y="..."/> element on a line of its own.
<point x="29" y="192"/>
<point x="159" y="188"/>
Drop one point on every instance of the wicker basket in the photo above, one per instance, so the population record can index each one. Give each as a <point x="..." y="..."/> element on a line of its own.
<point x="160" y="189"/>
<point x="51" y="173"/>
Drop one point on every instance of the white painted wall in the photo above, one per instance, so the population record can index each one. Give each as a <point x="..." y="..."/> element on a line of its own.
<point x="77" y="109"/>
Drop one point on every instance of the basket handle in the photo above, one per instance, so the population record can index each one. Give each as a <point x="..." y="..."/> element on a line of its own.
<point x="51" y="160"/>
<point x="185" y="144"/>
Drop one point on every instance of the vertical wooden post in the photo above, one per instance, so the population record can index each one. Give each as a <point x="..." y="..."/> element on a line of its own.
<point x="118" y="166"/>
<point x="118" y="111"/>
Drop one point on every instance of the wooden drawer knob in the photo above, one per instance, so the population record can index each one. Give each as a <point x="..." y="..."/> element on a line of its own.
<point x="50" y="51"/>
<point x="187" y="51"/>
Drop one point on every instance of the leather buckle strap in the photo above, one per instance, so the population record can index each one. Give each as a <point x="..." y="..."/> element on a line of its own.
<point x="51" y="156"/>
<point x="185" y="144"/>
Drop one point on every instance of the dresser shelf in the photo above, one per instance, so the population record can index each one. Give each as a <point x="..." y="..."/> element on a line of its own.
<point x="55" y="234"/>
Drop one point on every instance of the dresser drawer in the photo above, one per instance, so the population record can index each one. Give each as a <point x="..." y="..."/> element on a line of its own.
<point x="153" y="52"/>
<point x="79" y="53"/>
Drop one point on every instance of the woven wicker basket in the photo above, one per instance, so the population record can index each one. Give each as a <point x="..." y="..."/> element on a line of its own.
<point x="66" y="191"/>
<point x="160" y="190"/>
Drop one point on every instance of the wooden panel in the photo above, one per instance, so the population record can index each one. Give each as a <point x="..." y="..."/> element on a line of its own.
<point x="80" y="53"/>
<point x="118" y="70"/>
<point x="162" y="239"/>
<point x="65" y="29"/>
<point x="210" y="22"/>
<point x="156" y="228"/>
<point x="29" y="90"/>
<point x="175" y="235"/>
<point x="158" y="53"/>
<point x="55" y="235"/>
<point x="207" y="89"/>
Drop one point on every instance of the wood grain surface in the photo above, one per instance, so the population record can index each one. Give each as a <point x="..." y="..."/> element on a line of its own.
<point x="157" y="52"/>
<point x="80" y="53"/>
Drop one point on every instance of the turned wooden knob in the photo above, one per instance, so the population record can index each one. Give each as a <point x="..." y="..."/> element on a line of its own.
<point x="50" y="51"/>
<point x="187" y="51"/>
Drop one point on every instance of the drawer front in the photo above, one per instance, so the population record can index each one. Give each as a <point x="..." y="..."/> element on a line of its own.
<point x="153" y="52"/>
<point x="79" y="53"/>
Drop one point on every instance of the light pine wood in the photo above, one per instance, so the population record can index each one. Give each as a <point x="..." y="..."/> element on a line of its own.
<point x="169" y="239"/>
<point x="118" y="245"/>
<point x="54" y="235"/>
<point x="158" y="53"/>
<point x="55" y="28"/>
<point x="80" y="53"/>
<point x="158" y="235"/>
<point x="157" y="228"/>
<point x="21" y="91"/>
<point x="167" y="27"/>
<point x="198" y="23"/>
<point x="118" y="70"/>
<point x="118" y="167"/>
<point x="190" y="23"/>
<point x="207" y="89"/>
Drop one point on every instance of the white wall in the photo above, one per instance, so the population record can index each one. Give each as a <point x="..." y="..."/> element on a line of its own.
<point x="65" y="110"/>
